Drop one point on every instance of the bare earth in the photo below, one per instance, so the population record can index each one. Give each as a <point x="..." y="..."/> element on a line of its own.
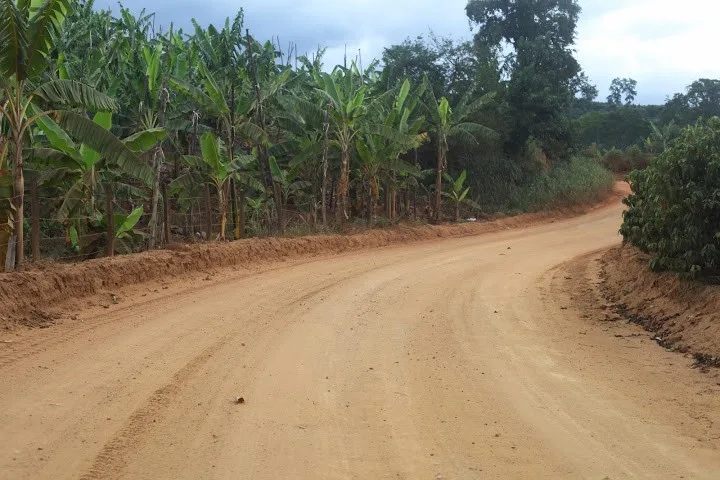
<point x="451" y="359"/>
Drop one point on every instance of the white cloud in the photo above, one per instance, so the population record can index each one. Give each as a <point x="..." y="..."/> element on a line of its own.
<point x="369" y="25"/>
<point x="663" y="44"/>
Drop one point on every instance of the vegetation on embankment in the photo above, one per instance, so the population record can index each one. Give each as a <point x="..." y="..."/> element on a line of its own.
<point x="117" y="137"/>
<point x="579" y="181"/>
<point x="674" y="209"/>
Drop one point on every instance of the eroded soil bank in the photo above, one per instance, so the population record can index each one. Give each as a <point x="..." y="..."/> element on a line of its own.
<point x="682" y="314"/>
<point x="32" y="298"/>
<point x="616" y="286"/>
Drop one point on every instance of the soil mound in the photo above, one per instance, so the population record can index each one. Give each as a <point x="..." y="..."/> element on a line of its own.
<point x="48" y="284"/>
<point x="682" y="314"/>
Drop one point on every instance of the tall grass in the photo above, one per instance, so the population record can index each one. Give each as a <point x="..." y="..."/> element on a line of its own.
<point x="581" y="180"/>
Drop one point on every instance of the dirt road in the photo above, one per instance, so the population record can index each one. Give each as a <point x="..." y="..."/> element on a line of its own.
<point x="453" y="359"/>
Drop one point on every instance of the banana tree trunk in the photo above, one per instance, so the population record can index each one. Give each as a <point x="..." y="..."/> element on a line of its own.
<point x="234" y="210"/>
<point x="414" y="201"/>
<point x="241" y="214"/>
<point x="35" y="220"/>
<point x="166" y="214"/>
<point x="208" y="214"/>
<point x="438" y="185"/>
<point x="158" y="158"/>
<point x="222" y="204"/>
<point x="323" y="188"/>
<point x="371" y="205"/>
<point x="19" y="203"/>
<point x="343" y="185"/>
<point x="110" y="244"/>
<point x="457" y="212"/>
<point x="155" y="201"/>
<point x="280" y="206"/>
<point x="5" y="229"/>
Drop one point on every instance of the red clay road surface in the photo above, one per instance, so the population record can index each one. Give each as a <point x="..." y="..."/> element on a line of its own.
<point x="449" y="359"/>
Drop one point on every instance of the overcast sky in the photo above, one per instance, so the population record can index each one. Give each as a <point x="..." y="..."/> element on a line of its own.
<point x="663" y="44"/>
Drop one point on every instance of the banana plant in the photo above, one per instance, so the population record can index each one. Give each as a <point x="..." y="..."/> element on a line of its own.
<point x="301" y="117"/>
<point x="288" y="180"/>
<point x="449" y="124"/>
<point x="392" y="129"/>
<point x="344" y="91"/>
<point x="661" y="138"/>
<point x="228" y="103"/>
<point x="458" y="192"/>
<point x="125" y="237"/>
<point x="93" y="174"/>
<point x="27" y="29"/>
<point x="215" y="168"/>
<point x="6" y="223"/>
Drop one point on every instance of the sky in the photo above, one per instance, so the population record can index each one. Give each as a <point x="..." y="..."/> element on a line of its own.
<point x="663" y="44"/>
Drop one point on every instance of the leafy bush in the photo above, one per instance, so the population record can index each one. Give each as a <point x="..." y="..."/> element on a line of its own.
<point x="674" y="209"/>
<point x="637" y="159"/>
<point x="593" y="151"/>
<point x="616" y="161"/>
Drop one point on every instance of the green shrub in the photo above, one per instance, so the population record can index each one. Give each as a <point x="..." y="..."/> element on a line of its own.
<point x="593" y="151"/>
<point x="616" y="161"/>
<point x="637" y="159"/>
<point x="674" y="208"/>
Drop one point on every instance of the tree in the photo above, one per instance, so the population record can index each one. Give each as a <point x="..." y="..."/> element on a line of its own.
<point x="539" y="35"/>
<point x="617" y="127"/>
<point x="702" y="99"/>
<point x="412" y="59"/>
<point x="451" y="66"/>
<point x="584" y="89"/>
<point x="26" y="33"/>
<point x="622" y="89"/>
<point x="447" y="124"/>
<point x="215" y="168"/>
<point x="346" y="94"/>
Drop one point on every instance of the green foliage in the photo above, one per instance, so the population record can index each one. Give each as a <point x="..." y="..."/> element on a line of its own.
<point x="125" y="223"/>
<point x="579" y="181"/>
<point x="674" y="209"/>
<point x="26" y="31"/>
<point x="637" y="159"/>
<point x="619" y="161"/>
<point x="111" y="108"/>
<point x="661" y="137"/>
<point x="614" y="128"/>
<point x="94" y="238"/>
<point x="542" y="68"/>
<point x="622" y="89"/>
<point x="452" y="67"/>
<point x="616" y="161"/>
<point x="701" y="100"/>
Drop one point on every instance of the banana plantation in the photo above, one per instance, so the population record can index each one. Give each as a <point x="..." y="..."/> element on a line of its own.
<point x="116" y="137"/>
